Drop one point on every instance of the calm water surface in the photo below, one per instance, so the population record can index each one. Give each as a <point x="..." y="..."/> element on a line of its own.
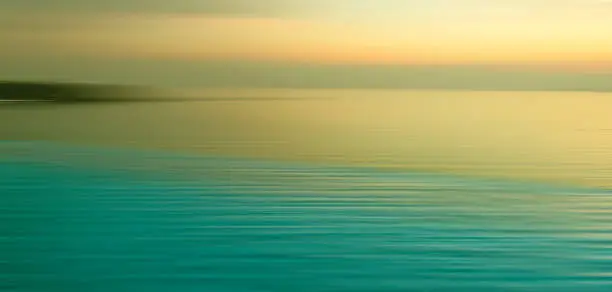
<point x="80" y="215"/>
<point x="549" y="136"/>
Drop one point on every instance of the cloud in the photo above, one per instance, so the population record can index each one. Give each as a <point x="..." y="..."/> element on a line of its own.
<point x="42" y="27"/>
<point x="242" y="7"/>
<point x="137" y="35"/>
<point x="147" y="36"/>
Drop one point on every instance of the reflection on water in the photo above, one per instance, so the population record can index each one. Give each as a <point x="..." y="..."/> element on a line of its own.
<point x="533" y="135"/>
<point x="102" y="218"/>
<point x="83" y="224"/>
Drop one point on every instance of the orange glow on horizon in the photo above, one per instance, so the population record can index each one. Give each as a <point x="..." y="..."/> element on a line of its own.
<point x="270" y="39"/>
<point x="202" y="38"/>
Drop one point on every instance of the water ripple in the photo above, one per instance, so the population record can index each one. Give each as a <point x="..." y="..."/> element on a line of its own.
<point x="80" y="225"/>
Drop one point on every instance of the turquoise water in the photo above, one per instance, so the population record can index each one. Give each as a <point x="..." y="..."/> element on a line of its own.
<point x="73" y="219"/>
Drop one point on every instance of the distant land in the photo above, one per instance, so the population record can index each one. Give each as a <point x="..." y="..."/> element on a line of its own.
<point x="156" y="78"/>
<point x="24" y="91"/>
<point x="314" y="76"/>
<point x="162" y="74"/>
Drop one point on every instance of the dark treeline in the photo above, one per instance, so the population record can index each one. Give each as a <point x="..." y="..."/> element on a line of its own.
<point x="65" y="92"/>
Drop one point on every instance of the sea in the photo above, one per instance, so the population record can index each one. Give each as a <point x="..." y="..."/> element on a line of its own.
<point x="309" y="190"/>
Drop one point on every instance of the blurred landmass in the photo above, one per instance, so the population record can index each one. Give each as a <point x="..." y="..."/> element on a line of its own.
<point x="59" y="92"/>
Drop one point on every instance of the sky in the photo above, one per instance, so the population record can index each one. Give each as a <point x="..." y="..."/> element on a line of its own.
<point x="190" y="42"/>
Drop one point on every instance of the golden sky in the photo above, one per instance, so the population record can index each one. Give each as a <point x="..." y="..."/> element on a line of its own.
<point x="353" y="31"/>
<point x="174" y="42"/>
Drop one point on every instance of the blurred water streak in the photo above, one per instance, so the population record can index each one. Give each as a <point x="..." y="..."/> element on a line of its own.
<point x="547" y="136"/>
<point x="309" y="191"/>
<point x="74" y="226"/>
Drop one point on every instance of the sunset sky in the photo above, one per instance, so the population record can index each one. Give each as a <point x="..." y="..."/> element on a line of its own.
<point x="109" y="38"/>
